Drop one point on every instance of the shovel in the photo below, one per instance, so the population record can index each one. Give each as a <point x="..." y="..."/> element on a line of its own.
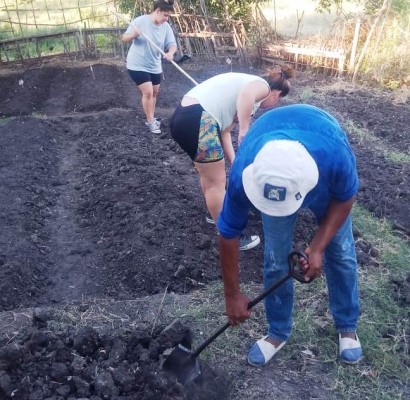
<point x="182" y="362"/>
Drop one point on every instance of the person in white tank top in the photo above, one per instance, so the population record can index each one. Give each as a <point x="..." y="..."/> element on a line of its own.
<point x="202" y="126"/>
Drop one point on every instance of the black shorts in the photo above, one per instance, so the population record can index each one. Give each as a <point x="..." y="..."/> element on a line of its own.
<point x="140" y="77"/>
<point x="198" y="133"/>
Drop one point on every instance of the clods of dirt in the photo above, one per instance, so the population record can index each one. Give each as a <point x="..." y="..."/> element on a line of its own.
<point x="84" y="364"/>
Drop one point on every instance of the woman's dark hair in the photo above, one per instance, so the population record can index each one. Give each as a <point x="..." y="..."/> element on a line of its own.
<point x="164" y="5"/>
<point x="278" y="79"/>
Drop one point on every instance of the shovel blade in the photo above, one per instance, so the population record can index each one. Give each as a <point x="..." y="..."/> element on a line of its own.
<point x="183" y="365"/>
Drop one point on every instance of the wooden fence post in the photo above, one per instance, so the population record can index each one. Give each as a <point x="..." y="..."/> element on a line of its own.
<point x="384" y="8"/>
<point x="354" y="45"/>
<point x="341" y="65"/>
<point x="38" y="49"/>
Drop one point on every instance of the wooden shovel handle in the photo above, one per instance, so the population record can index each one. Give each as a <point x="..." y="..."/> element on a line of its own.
<point x="292" y="272"/>
<point x="153" y="44"/>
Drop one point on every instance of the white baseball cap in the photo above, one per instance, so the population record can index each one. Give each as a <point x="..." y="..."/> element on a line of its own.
<point x="280" y="177"/>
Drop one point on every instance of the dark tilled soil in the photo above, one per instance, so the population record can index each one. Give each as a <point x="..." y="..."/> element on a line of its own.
<point x="93" y="206"/>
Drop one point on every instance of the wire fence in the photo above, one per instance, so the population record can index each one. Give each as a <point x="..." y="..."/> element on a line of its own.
<point x="37" y="29"/>
<point x="21" y="18"/>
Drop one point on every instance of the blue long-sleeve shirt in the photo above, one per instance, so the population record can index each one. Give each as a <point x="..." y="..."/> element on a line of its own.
<point x="325" y="141"/>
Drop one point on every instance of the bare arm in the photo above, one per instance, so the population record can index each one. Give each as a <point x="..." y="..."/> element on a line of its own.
<point x="227" y="145"/>
<point x="236" y="303"/>
<point x="170" y="53"/>
<point x="129" y="37"/>
<point x="248" y="96"/>
<point x="336" y="214"/>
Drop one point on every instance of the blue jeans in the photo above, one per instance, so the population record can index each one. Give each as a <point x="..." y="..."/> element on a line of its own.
<point x="340" y="268"/>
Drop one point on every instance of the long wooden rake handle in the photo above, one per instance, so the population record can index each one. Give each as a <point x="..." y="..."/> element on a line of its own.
<point x="153" y="44"/>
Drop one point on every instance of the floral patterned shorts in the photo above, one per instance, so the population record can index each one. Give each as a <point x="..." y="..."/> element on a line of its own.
<point x="209" y="140"/>
<point x="198" y="133"/>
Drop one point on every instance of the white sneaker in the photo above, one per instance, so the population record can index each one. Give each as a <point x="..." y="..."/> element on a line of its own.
<point x="153" y="126"/>
<point x="209" y="220"/>
<point x="248" y="242"/>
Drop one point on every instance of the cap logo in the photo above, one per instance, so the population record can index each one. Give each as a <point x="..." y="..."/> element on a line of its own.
<point x="298" y="196"/>
<point x="274" y="193"/>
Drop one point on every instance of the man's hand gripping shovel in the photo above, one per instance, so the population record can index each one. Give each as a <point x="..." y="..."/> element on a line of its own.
<point x="183" y="362"/>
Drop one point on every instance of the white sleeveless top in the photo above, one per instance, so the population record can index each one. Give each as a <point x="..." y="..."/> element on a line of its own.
<point x="218" y="95"/>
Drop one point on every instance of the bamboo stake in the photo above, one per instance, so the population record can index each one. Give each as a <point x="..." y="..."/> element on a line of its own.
<point x="38" y="49"/>
<point x="19" y="52"/>
<point x="379" y="35"/>
<point x="62" y="10"/>
<point x="6" y="53"/>
<point x="48" y="12"/>
<point x="9" y="17"/>
<point x="79" y="10"/>
<point x="354" y="45"/>
<point x="27" y="49"/>
<point x="18" y="17"/>
<point x="34" y="13"/>
<point x="382" y="11"/>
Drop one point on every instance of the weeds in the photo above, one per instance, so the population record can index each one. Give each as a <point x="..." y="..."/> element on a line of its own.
<point x="383" y="326"/>
<point x="305" y="95"/>
<point x="4" y="120"/>
<point x="363" y="134"/>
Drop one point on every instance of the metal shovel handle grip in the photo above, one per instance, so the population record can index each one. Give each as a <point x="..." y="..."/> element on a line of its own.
<point x="293" y="271"/>
<point x="294" y="268"/>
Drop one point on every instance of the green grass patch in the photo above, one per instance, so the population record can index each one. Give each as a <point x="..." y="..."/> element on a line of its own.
<point x="383" y="324"/>
<point x="44" y="47"/>
<point x="305" y="95"/>
<point x="394" y="252"/>
<point x="4" y="120"/>
<point x="364" y="134"/>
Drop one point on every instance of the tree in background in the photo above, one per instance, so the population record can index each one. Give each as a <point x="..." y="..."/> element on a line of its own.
<point x="384" y="54"/>
<point x="235" y="9"/>
<point x="371" y="7"/>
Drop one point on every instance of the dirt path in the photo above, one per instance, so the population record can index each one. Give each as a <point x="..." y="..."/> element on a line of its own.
<point x="72" y="253"/>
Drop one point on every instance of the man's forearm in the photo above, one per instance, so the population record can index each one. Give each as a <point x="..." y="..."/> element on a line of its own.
<point x="229" y="257"/>
<point x="336" y="214"/>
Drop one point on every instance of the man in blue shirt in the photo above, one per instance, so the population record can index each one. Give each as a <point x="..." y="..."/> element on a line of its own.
<point x="294" y="157"/>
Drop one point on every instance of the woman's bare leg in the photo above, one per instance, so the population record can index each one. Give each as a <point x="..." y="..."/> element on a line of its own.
<point x="148" y="100"/>
<point x="155" y="90"/>
<point x="212" y="178"/>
